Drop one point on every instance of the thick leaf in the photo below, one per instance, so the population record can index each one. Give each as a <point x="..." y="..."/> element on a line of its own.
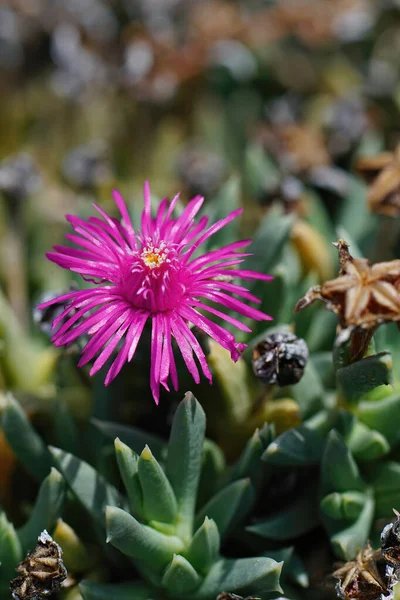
<point x="300" y="446"/>
<point x="10" y="550"/>
<point x="127" y="461"/>
<point x="204" y="547"/>
<point x="184" y="458"/>
<point x="300" y="516"/>
<point x="213" y="465"/>
<point x="115" y="591"/>
<point x="261" y="174"/>
<point x="361" y="377"/>
<point x="243" y="576"/>
<point x="135" y="438"/>
<point x="339" y="469"/>
<point x="347" y="542"/>
<point x="249" y="464"/>
<point x="348" y="505"/>
<point x="383" y="415"/>
<point x="386" y="484"/>
<point x="180" y="577"/>
<point x="65" y="430"/>
<point x="228" y="506"/>
<point x="364" y="443"/>
<point x="47" y="510"/>
<point x="140" y="541"/>
<point x="308" y="392"/>
<point x="88" y="486"/>
<point x="23" y="439"/>
<point x="293" y="567"/>
<point x="159" y="502"/>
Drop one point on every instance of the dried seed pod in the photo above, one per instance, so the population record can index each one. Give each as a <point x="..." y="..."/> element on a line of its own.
<point x="41" y="572"/>
<point x="280" y="359"/>
<point x="230" y="596"/>
<point x="361" y="578"/>
<point x="390" y="542"/>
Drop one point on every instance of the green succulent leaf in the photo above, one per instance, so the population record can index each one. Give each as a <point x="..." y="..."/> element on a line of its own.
<point x="243" y="576"/>
<point x="140" y="541"/>
<point x="293" y="568"/>
<point x="364" y="443"/>
<point x="184" y="458"/>
<point x="228" y="506"/>
<point x="159" y="502"/>
<point x="11" y="552"/>
<point x="89" y="487"/>
<point x="66" y="432"/>
<point x="299" y="446"/>
<point x="127" y="461"/>
<point x="204" y="547"/>
<point x="382" y="415"/>
<point x="385" y="481"/>
<point x="339" y="471"/>
<point x="309" y="391"/>
<point x="347" y="506"/>
<point x="294" y="520"/>
<point x="46" y="512"/>
<point x="134" y="438"/>
<point x="249" y="464"/>
<point x="180" y="577"/>
<point x="23" y="439"/>
<point x="213" y="465"/>
<point x="361" y="377"/>
<point x="115" y="591"/>
<point x="348" y="541"/>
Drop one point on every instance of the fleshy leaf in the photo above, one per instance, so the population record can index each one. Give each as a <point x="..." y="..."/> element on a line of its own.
<point x="159" y="502"/>
<point x="10" y="551"/>
<point x="347" y="542"/>
<point x="180" y="577"/>
<point x="249" y="464"/>
<point x="127" y="461"/>
<point x="89" y="487"/>
<point x="383" y="415"/>
<point x="243" y="576"/>
<point x="115" y="591"/>
<point x="300" y="446"/>
<point x="213" y="465"/>
<point x="140" y="541"/>
<point x="364" y="443"/>
<point x="184" y="458"/>
<point x="23" y="439"/>
<point x="46" y="511"/>
<point x="346" y="506"/>
<point x="294" y="520"/>
<point x="229" y="505"/>
<point x="339" y="471"/>
<point x="204" y="547"/>
<point x="386" y="484"/>
<point x="362" y="376"/>
<point x="65" y="430"/>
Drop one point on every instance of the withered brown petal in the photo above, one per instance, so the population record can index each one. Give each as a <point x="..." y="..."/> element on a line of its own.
<point x="386" y="295"/>
<point x="386" y="183"/>
<point x="357" y="299"/>
<point x="386" y="269"/>
<point x="340" y="284"/>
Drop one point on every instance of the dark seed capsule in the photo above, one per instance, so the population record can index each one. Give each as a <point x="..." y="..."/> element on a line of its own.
<point x="280" y="359"/>
<point x="390" y="542"/>
<point x="230" y="596"/>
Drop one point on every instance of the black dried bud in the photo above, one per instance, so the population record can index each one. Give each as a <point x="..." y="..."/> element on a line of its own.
<point x="19" y="177"/>
<point x="390" y="542"/>
<point x="41" y="573"/>
<point x="280" y="359"/>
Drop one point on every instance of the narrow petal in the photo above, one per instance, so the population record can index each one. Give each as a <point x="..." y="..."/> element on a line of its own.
<point x="156" y="352"/>
<point x="120" y="202"/>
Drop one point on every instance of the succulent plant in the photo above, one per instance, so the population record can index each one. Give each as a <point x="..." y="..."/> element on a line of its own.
<point x="173" y="543"/>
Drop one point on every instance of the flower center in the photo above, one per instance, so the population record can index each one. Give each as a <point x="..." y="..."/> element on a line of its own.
<point x="154" y="257"/>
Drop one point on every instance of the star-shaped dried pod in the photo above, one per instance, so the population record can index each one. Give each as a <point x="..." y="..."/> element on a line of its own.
<point x="361" y="578"/>
<point x="363" y="296"/>
<point x="382" y="173"/>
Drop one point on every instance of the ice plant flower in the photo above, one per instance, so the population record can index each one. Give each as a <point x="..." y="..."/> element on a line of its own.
<point x="151" y="274"/>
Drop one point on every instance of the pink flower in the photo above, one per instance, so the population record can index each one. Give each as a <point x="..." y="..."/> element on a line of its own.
<point x="151" y="274"/>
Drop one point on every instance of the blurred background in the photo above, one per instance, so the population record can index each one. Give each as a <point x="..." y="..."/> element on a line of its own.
<point x="253" y="102"/>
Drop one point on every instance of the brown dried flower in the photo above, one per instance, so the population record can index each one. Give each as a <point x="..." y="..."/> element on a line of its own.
<point x="362" y="297"/>
<point x="42" y="571"/>
<point x="360" y="578"/>
<point x="382" y="172"/>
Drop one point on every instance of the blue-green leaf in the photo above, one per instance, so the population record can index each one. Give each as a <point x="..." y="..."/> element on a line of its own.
<point x="204" y="547"/>
<point x="229" y="505"/>
<point x="382" y="415"/>
<point x="300" y="446"/>
<point x="23" y="439"/>
<point x="127" y="461"/>
<point x="88" y="486"/>
<point x="180" y="577"/>
<point x="159" y="502"/>
<point x="47" y="510"/>
<point x="115" y="591"/>
<point x="339" y="471"/>
<point x="347" y="542"/>
<point x="140" y="541"/>
<point x="134" y="438"/>
<point x="10" y="550"/>
<point x="184" y="458"/>
<point x="361" y="377"/>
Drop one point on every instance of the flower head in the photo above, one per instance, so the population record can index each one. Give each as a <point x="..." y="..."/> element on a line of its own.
<point x="152" y="275"/>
